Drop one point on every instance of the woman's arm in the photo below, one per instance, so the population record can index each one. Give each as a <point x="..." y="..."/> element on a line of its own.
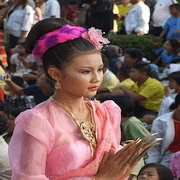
<point x="27" y="156"/>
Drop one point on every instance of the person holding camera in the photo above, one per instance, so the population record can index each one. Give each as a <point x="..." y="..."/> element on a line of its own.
<point x="22" y="61"/>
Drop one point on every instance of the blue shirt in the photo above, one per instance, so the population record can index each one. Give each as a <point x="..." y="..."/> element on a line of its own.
<point x="167" y="59"/>
<point x="171" y="25"/>
<point x="37" y="93"/>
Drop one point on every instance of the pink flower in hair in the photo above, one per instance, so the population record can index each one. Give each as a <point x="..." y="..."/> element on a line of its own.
<point x="95" y="37"/>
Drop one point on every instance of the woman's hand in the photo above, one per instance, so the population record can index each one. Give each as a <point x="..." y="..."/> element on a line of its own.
<point x="120" y="165"/>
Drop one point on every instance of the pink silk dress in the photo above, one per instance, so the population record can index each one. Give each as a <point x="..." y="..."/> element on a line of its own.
<point x="48" y="145"/>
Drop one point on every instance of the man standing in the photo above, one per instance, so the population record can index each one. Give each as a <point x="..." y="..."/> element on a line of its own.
<point x="137" y="19"/>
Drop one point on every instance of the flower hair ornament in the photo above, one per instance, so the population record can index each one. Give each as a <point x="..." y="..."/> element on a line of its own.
<point x="68" y="33"/>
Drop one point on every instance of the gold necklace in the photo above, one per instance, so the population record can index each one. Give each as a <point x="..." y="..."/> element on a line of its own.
<point x="87" y="129"/>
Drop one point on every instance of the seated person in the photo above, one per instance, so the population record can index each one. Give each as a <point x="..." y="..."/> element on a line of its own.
<point x="123" y="76"/>
<point x="32" y="77"/>
<point x="132" y="126"/>
<point x="113" y="53"/>
<point x="167" y="54"/>
<point x="109" y="78"/>
<point x="41" y="91"/>
<point x="147" y="92"/>
<point x="173" y="84"/>
<point x="23" y="61"/>
<point x="166" y="127"/>
<point x="15" y="100"/>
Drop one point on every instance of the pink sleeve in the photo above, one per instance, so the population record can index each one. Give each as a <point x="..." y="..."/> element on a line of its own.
<point x="115" y="117"/>
<point x="32" y="139"/>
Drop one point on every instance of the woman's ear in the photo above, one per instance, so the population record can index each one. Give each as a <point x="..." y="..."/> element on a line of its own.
<point x="55" y="73"/>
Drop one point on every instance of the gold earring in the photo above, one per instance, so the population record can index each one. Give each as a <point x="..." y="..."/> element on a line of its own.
<point x="57" y="85"/>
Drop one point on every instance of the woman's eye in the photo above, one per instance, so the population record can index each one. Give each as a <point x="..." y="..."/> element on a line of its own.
<point x="100" y="69"/>
<point x="85" y="71"/>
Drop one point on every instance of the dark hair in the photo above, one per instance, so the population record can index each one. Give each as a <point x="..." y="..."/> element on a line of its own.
<point x="176" y="6"/>
<point x="112" y="51"/>
<point x="18" y="80"/>
<point x="174" y="76"/>
<point x="124" y="71"/>
<point x="134" y="53"/>
<point x="16" y="111"/>
<point x="61" y="54"/>
<point x="163" y="172"/>
<point x="6" y="107"/>
<point x="105" y="60"/>
<point x="142" y="67"/>
<point x="73" y="2"/>
<point x="3" y="123"/>
<point x="23" y="44"/>
<point x="23" y="3"/>
<point x="175" y="43"/>
<point x="177" y="101"/>
<point x="126" y="103"/>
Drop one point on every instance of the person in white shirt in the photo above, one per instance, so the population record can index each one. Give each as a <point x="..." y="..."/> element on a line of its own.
<point x="137" y="19"/>
<point x="52" y="9"/>
<point x="19" y="22"/>
<point x="160" y="15"/>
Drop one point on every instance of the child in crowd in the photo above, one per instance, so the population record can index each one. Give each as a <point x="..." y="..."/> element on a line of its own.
<point x="155" y="171"/>
<point x="123" y="76"/>
<point x="132" y="56"/>
<point x="173" y="84"/>
<point x="167" y="54"/>
<point x="167" y="127"/>
<point x="147" y="92"/>
<point x="113" y="54"/>
<point x="23" y="61"/>
<point x="172" y="27"/>
<point x="109" y="78"/>
<point x="175" y="165"/>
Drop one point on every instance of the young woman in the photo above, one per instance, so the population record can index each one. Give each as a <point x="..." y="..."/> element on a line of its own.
<point x="69" y="136"/>
<point x="155" y="171"/>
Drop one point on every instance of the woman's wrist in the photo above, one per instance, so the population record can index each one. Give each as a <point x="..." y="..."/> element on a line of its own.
<point x="93" y="178"/>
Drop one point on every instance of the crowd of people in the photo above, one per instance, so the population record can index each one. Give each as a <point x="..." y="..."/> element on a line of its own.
<point x="74" y="106"/>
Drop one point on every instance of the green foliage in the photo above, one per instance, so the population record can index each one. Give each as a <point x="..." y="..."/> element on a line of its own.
<point x="147" y="43"/>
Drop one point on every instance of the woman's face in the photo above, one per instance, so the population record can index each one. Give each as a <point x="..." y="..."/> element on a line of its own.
<point x="149" y="173"/>
<point x="83" y="76"/>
